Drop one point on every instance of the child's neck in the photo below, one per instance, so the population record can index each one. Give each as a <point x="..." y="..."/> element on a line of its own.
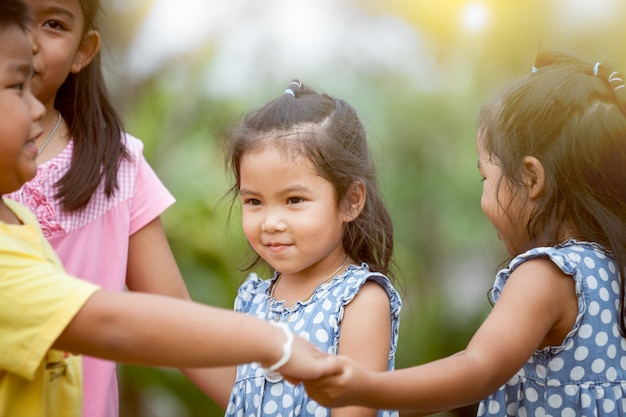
<point x="6" y="214"/>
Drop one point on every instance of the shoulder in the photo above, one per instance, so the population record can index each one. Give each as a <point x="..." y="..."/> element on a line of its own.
<point x="133" y="145"/>
<point x="24" y="214"/>
<point x="565" y="259"/>
<point x="362" y="279"/>
<point x="251" y="287"/>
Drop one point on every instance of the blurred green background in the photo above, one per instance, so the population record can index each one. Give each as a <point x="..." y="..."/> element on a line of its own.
<point x="417" y="72"/>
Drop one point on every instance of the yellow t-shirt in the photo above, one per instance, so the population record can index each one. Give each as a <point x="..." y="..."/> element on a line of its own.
<point x="38" y="299"/>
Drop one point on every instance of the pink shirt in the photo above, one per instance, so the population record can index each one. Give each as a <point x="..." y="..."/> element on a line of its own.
<point x="93" y="243"/>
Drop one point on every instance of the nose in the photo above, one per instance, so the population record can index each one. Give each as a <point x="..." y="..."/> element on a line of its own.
<point x="37" y="109"/>
<point x="33" y="40"/>
<point x="273" y="222"/>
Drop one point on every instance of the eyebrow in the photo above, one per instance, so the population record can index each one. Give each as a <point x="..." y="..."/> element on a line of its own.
<point x="24" y="68"/>
<point x="288" y="190"/>
<point x="58" y="10"/>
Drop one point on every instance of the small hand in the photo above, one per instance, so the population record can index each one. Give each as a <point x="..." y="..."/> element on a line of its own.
<point x="308" y="362"/>
<point x="346" y="385"/>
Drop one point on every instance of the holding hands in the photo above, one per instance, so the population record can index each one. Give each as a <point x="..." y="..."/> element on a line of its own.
<point x="307" y="362"/>
<point x="346" y="383"/>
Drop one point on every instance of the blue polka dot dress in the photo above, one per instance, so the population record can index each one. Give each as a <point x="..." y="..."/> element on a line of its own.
<point x="586" y="375"/>
<point x="318" y="320"/>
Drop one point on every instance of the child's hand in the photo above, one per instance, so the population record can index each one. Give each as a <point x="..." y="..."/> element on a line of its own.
<point x="308" y="362"/>
<point x="343" y="387"/>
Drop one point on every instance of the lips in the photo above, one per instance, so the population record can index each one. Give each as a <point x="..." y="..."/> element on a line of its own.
<point x="276" y="247"/>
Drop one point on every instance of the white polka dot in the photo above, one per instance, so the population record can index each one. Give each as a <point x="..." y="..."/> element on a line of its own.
<point x="531" y="394"/>
<point x="604" y="294"/>
<point x="577" y="373"/>
<point x="594" y="308"/>
<point x="298" y="325"/>
<point x="287" y="401"/>
<point x="604" y="276"/>
<point x="574" y="256"/>
<point x="611" y="374"/>
<point x="511" y="409"/>
<point x="555" y="401"/>
<point x="570" y="390"/>
<point x="598" y="366"/>
<point x="277" y="389"/>
<point x="556" y="364"/>
<point x="555" y="383"/>
<point x="321" y="335"/>
<point x="591" y="282"/>
<point x="606" y="317"/>
<point x="585" y="331"/>
<point x="319" y="317"/>
<point x="608" y="406"/>
<point x="541" y="371"/>
<point x="540" y="412"/>
<point x="590" y="262"/>
<point x="602" y="338"/>
<point x="494" y="407"/>
<point x="270" y="407"/>
<point x="615" y="287"/>
<point x="568" y="412"/>
<point x="611" y="352"/>
<point x="585" y="400"/>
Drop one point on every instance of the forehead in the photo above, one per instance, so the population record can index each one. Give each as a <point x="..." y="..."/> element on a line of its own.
<point x="15" y="50"/>
<point x="69" y="9"/>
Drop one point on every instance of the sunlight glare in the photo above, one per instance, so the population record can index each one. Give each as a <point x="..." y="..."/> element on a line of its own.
<point x="474" y="16"/>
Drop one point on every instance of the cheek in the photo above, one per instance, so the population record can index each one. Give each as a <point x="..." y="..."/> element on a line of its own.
<point x="248" y="225"/>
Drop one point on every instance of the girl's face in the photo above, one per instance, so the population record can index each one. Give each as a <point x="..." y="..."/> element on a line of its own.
<point x="20" y="112"/>
<point x="290" y="214"/>
<point x="506" y="211"/>
<point x="60" y="45"/>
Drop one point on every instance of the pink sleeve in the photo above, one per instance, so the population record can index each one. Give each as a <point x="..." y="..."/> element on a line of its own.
<point x="150" y="198"/>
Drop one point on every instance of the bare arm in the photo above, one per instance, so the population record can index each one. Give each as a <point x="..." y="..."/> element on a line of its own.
<point x="145" y="329"/>
<point x="365" y="337"/>
<point x="153" y="269"/>
<point x="537" y="307"/>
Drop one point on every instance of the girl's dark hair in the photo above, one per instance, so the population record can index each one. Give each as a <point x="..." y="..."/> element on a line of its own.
<point x="571" y="115"/>
<point x="94" y="125"/>
<point x="328" y="132"/>
<point x="14" y="13"/>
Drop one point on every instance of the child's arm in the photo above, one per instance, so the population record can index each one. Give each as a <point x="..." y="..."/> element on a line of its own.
<point x="153" y="269"/>
<point x="365" y="336"/>
<point x="537" y="308"/>
<point x="145" y="329"/>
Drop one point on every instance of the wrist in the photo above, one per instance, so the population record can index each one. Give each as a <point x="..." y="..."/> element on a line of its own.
<point x="287" y="347"/>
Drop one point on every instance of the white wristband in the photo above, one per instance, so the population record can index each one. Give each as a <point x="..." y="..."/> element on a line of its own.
<point x="286" y="347"/>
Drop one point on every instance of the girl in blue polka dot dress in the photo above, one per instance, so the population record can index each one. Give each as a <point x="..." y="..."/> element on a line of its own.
<point x="311" y="210"/>
<point x="552" y="155"/>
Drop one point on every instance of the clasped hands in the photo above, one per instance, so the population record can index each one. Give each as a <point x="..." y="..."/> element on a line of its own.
<point x="332" y="381"/>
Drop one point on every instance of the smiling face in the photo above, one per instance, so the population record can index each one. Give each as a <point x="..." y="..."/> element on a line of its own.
<point x="60" y="45"/>
<point x="506" y="210"/>
<point x="290" y="214"/>
<point x="20" y="112"/>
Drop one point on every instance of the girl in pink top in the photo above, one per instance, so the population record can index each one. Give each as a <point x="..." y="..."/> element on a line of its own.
<point x="97" y="199"/>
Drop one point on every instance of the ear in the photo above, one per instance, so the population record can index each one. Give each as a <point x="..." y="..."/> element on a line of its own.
<point x="354" y="201"/>
<point x="534" y="177"/>
<point x="88" y="48"/>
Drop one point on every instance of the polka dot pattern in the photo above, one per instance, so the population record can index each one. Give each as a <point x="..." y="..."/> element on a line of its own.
<point x="317" y="320"/>
<point x="586" y="375"/>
